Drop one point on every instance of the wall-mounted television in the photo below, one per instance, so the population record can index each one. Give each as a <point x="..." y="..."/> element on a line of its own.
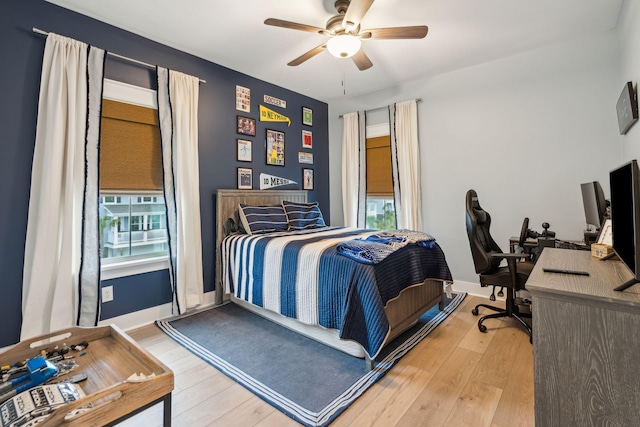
<point x="625" y="218"/>
<point x="627" y="108"/>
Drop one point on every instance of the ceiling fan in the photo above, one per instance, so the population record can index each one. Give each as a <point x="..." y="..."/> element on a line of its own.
<point x="345" y="33"/>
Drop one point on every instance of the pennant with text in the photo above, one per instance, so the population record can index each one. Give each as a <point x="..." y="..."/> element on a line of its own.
<point x="270" y="181"/>
<point x="267" y="115"/>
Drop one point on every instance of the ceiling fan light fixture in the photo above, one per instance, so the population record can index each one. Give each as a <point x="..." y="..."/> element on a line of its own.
<point x="344" y="45"/>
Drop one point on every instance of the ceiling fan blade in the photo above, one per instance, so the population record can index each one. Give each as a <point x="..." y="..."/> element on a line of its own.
<point x="294" y="26"/>
<point x="307" y="55"/>
<point x="354" y="14"/>
<point x="361" y="60"/>
<point x="416" y="32"/>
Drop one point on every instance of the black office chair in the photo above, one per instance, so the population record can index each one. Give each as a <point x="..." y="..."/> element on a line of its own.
<point x="487" y="257"/>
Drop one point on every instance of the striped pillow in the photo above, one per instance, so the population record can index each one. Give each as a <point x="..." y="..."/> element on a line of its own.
<point x="262" y="219"/>
<point x="302" y="216"/>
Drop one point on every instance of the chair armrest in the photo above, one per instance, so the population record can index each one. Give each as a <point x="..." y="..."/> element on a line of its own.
<point x="512" y="259"/>
<point x="510" y="255"/>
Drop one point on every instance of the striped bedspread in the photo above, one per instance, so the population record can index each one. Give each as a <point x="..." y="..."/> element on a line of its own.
<point x="301" y="275"/>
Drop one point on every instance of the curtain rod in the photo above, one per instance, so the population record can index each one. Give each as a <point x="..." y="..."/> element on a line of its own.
<point x="135" y="61"/>
<point x="380" y="108"/>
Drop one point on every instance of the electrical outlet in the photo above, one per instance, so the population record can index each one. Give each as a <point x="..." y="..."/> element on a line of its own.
<point x="107" y="294"/>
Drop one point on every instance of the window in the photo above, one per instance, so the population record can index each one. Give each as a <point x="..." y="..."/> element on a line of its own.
<point x="111" y="199"/>
<point x="157" y="222"/>
<point x="132" y="231"/>
<point x="136" y="223"/>
<point x="381" y="213"/>
<point x="380" y="203"/>
<point x="133" y="226"/>
<point x="147" y="199"/>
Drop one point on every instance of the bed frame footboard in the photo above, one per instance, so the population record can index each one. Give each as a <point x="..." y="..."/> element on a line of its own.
<point x="404" y="311"/>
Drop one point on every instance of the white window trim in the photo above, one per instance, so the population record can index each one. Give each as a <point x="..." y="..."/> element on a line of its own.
<point x="123" y="92"/>
<point x="132" y="267"/>
<point x="374" y="131"/>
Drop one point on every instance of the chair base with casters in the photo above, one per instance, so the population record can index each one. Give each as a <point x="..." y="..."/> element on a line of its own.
<point x="511" y="308"/>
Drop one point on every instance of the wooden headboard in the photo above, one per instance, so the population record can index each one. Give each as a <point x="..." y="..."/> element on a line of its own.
<point x="226" y="206"/>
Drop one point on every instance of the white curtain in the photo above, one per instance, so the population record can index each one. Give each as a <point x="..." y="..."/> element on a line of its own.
<point x="354" y="169"/>
<point x="405" y="157"/>
<point x="178" y="111"/>
<point x="61" y="274"/>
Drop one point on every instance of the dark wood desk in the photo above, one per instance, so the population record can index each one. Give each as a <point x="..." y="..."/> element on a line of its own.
<point x="532" y="244"/>
<point x="586" y="342"/>
<point x="529" y="244"/>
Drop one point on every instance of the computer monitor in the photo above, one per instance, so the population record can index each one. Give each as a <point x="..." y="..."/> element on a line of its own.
<point x="625" y="218"/>
<point x="595" y="205"/>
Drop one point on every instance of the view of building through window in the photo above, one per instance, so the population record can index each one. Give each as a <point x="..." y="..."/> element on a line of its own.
<point x="381" y="214"/>
<point x="132" y="227"/>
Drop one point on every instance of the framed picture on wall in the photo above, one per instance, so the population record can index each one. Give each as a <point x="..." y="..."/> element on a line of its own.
<point x="275" y="147"/>
<point x="307" y="179"/>
<point x="307" y="139"/>
<point x="244" y="150"/>
<point x="307" y="116"/>
<point x="243" y="98"/>
<point x="246" y="126"/>
<point x="245" y="178"/>
<point x="304" y="157"/>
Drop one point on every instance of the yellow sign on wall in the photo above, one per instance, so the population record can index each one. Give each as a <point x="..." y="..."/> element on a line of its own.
<point x="267" y="115"/>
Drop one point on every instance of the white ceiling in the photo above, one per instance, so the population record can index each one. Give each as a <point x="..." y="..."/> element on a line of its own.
<point x="462" y="33"/>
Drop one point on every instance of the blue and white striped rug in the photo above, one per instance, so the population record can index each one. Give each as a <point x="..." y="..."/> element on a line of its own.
<point x="308" y="381"/>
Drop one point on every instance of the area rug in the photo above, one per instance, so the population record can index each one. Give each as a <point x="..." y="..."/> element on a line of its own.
<point x="308" y="381"/>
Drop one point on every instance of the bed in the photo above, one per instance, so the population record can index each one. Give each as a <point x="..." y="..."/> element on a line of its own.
<point x="356" y="308"/>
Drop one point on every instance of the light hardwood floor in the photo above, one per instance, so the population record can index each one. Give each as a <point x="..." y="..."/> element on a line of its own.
<point x="457" y="376"/>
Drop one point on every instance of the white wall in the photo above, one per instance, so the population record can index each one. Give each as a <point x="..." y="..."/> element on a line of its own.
<point x="629" y="42"/>
<point x="524" y="132"/>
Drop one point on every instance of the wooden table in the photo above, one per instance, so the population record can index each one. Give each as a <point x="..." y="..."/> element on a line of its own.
<point x="586" y="342"/>
<point x="111" y="358"/>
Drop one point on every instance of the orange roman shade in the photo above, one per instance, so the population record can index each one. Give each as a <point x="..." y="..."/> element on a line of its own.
<point x="130" y="148"/>
<point x="379" y="177"/>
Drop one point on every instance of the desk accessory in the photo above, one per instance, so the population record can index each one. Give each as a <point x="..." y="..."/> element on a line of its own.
<point x="600" y="251"/>
<point x="561" y="271"/>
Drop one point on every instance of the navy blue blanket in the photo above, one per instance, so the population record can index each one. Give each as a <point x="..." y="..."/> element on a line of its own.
<point x="375" y="248"/>
<point x="301" y="275"/>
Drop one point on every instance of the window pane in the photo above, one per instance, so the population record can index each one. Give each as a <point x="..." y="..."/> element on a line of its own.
<point x="132" y="230"/>
<point x="381" y="214"/>
<point x="158" y="222"/>
<point x="136" y="223"/>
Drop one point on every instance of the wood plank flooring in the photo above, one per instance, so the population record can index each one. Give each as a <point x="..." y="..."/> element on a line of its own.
<point x="457" y="376"/>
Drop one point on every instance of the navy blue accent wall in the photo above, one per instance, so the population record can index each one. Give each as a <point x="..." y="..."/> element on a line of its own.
<point x="136" y="292"/>
<point x="22" y="51"/>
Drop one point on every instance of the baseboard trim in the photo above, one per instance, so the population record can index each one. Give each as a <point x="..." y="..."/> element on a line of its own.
<point x="477" y="290"/>
<point x="162" y="312"/>
<point x="471" y="288"/>
<point x="148" y="316"/>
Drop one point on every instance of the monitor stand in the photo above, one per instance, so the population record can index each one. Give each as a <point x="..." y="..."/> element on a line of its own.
<point x="626" y="284"/>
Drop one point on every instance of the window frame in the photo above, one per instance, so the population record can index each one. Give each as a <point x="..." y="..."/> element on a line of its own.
<point x="123" y="92"/>
<point x="376" y="131"/>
